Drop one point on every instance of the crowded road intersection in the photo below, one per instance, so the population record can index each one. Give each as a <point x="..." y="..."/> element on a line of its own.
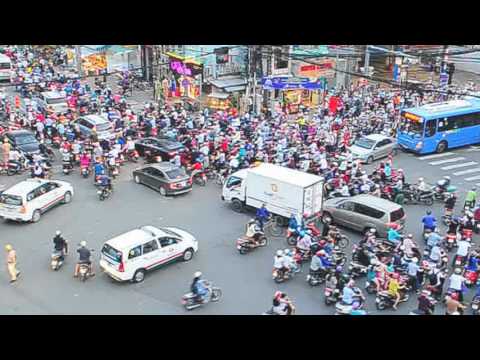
<point x="175" y="174"/>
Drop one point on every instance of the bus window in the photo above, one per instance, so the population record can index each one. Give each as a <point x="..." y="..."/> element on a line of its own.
<point x="446" y="124"/>
<point x="430" y="128"/>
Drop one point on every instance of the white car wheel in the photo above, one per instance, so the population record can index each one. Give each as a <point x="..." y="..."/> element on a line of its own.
<point x="137" y="179"/>
<point x="67" y="197"/>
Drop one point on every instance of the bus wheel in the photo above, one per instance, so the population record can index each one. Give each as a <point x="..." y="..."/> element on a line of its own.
<point x="441" y="147"/>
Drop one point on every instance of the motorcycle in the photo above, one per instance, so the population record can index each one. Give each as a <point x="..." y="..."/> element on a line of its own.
<point x="133" y="156"/>
<point x="11" y="168"/>
<point x="85" y="172"/>
<point x="280" y="276"/>
<point x="152" y="159"/>
<point x="471" y="278"/>
<point x="199" y="178"/>
<point x="356" y="270"/>
<point x="84" y="271"/>
<point x="467" y="233"/>
<point x="244" y="245"/>
<point x="58" y="258"/>
<point x="190" y="301"/>
<point x="384" y="300"/>
<point x="475" y="304"/>
<point x="103" y="193"/>
<point x="450" y="241"/>
<point x="114" y="171"/>
<point x="315" y="278"/>
<point x="67" y="167"/>
<point x="292" y="235"/>
<point x="443" y="188"/>
<point x="347" y="309"/>
<point x="331" y="296"/>
<point x="415" y="197"/>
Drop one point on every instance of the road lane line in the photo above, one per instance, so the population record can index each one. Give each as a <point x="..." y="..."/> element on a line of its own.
<point x="436" y="156"/>
<point x="446" y="161"/>
<point x="450" y="167"/>
<point x="473" y="178"/>
<point x="466" y="172"/>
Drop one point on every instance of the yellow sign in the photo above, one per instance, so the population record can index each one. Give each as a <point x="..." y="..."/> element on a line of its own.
<point x="412" y="117"/>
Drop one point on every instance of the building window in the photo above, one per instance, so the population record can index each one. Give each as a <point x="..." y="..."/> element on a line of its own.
<point x="281" y="57"/>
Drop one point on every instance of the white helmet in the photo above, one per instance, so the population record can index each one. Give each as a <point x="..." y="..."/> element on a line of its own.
<point x="197" y="274"/>
<point x="279" y="252"/>
<point x="415" y="260"/>
<point x="420" y="179"/>
<point x="83" y="243"/>
<point x="58" y="232"/>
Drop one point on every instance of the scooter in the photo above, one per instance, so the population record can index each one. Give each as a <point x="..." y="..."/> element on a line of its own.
<point x="200" y="178"/>
<point x="315" y="278"/>
<point x="85" y="172"/>
<point x="471" y="278"/>
<point x="347" y="309"/>
<point x="331" y="295"/>
<point x="103" y="193"/>
<point x="475" y="304"/>
<point x="384" y="300"/>
<point x="190" y="302"/>
<point x="58" y="258"/>
<point x="67" y="167"/>
<point x="450" y="241"/>
<point x="281" y="276"/>
<point x="244" y="245"/>
<point x="356" y="270"/>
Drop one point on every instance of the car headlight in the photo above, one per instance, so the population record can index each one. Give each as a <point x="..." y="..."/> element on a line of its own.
<point x="419" y="145"/>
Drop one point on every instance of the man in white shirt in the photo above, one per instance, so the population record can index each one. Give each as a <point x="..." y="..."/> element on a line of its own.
<point x="463" y="248"/>
<point x="456" y="282"/>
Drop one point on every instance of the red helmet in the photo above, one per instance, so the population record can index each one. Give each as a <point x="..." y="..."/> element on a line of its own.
<point x="454" y="296"/>
<point x="322" y="243"/>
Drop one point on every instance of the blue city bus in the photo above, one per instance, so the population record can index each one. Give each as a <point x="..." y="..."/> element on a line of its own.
<point x="440" y="126"/>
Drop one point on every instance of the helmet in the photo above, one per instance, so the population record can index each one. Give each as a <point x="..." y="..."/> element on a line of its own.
<point x="58" y="232"/>
<point x="287" y="252"/>
<point x="8" y="247"/>
<point x="415" y="260"/>
<point x="321" y="253"/>
<point x="458" y="271"/>
<point x="454" y="296"/>
<point x="400" y="170"/>
<point x="83" y="243"/>
<point x="429" y="212"/>
<point x="420" y="179"/>
<point x="410" y="236"/>
<point x="197" y="274"/>
<point x="279" y="252"/>
<point x="373" y="230"/>
<point x="339" y="268"/>
<point x="446" y="177"/>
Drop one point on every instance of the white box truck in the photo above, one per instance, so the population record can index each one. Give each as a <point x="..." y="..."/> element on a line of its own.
<point x="284" y="191"/>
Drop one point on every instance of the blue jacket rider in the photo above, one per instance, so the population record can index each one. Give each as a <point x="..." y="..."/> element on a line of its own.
<point x="433" y="239"/>
<point x="393" y="236"/>
<point x="99" y="169"/>
<point x="198" y="287"/>
<point x="429" y="221"/>
<point x="262" y="215"/>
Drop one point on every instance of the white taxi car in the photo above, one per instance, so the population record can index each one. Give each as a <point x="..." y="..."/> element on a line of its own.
<point x="129" y="256"/>
<point x="29" y="199"/>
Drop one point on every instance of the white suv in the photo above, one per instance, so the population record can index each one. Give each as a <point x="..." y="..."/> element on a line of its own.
<point x="29" y="199"/>
<point x="129" y="256"/>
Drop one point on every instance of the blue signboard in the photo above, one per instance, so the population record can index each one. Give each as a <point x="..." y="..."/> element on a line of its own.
<point x="289" y="83"/>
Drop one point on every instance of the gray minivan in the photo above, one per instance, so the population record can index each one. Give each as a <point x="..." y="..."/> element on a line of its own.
<point x="362" y="212"/>
<point x="103" y="127"/>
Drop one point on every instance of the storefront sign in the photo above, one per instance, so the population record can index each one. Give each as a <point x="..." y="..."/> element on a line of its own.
<point x="285" y="83"/>
<point x="182" y="68"/>
<point x="325" y="68"/>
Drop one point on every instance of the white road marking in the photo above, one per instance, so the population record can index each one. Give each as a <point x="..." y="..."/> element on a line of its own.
<point x="473" y="178"/>
<point x="436" y="156"/>
<point x="450" y="167"/>
<point x="446" y="161"/>
<point x="466" y="172"/>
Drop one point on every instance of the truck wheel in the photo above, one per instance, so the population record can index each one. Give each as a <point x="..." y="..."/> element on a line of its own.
<point x="237" y="206"/>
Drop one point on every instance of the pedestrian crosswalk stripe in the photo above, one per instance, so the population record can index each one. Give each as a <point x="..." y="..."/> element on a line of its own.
<point x="446" y="161"/>
<point x="469" y="171"/>
<point x="450" y="167"/>
<point x="436" y="156"/>
<point x="473" y="178"/>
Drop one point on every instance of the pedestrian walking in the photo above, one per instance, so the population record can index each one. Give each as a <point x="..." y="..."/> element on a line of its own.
<point x="12" y="263"/>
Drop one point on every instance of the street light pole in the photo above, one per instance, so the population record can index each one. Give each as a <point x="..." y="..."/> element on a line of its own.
<point x="78" y="56"/>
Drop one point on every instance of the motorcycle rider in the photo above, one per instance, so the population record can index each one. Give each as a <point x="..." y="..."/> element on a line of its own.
<point x="412" y="271"/>
<point x="456" y="282"/>
<point x="304" y="242"/>
<point x="198" y="287"/>
<point x="289" y="261"/>
<point x="393" y="236"/>
<point x="84" y="160"/>
<point x="453" y="304"/>
<point x="450" y="204"/>
<point x="471" y="198"/>
<point x="105" y="182"/>
<point x="60" y="244"/>
<point x="429" y="221"/>
<point x="262" y="215"/>
<point x="463" y="247"/>
<point x="436" y="279"/>
<point x="422" y="187"/>
<point x="426" y="303"/>
<point x="129" y="147"/>
<point x="349" y="295"/>
<point x="394" y="289"/>
<point x="279" y="263"/>
<point x="84" y="258"/>
<point x="252" y="233"/>
<point x="67" y="160"/>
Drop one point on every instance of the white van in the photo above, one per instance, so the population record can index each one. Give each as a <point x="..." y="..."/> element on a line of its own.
<point x="129" y="256"/>
<point x="5" y="68"/>
<point x="29" y="199"/>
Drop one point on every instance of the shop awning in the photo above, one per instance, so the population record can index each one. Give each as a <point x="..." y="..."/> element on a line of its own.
<point x="218" y="95"/>
<point x="236" y="88"/>
<point x="228" y="82"/>
<point x="185" y="59"/>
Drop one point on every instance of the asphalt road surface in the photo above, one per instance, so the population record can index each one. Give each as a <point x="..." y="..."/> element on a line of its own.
<point x="245" y="279"/>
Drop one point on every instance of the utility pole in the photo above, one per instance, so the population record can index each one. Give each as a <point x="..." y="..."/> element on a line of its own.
<point x="254" y="69"/>
<point x="78" y="56"/>
<point x="366" y="66"/>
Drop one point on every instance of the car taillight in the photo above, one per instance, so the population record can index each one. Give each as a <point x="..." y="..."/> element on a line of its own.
<point x="23" y="210"/>
<point x="121" y="267"/>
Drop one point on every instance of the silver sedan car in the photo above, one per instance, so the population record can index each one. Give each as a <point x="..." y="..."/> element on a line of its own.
<point x="373" y="147"/>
